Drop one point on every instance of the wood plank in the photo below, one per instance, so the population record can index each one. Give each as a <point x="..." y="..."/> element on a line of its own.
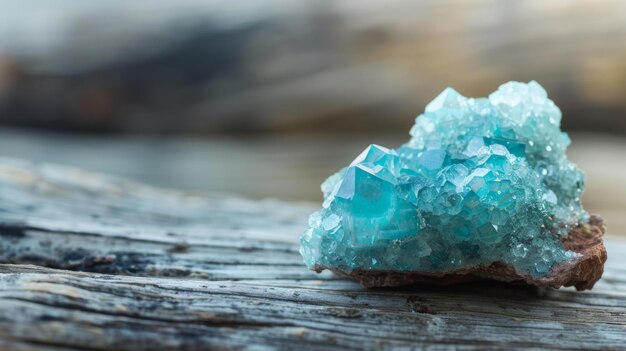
<point x="168" y="270"/>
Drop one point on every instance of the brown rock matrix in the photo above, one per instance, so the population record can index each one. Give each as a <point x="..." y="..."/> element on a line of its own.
<point x="582" y="272"/>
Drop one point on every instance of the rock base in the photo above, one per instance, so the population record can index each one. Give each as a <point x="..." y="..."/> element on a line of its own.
<point x="582" y="272"/>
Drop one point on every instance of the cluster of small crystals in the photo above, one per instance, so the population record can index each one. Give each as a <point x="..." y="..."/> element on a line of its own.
<point x="482" y="180"/>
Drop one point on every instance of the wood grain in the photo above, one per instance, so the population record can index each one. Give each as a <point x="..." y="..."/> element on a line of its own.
<point x="91" y="262"/>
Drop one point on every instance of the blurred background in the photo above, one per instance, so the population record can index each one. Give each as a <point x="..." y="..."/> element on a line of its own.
<point x="266" y="98"/>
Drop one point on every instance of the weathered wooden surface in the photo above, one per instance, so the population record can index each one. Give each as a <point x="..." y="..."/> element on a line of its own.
<point x="169" y="271"/>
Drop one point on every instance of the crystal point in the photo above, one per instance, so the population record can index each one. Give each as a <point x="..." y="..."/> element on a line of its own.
<point x="483" y="183"/>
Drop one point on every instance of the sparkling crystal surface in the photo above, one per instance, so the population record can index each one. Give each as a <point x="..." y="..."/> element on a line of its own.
<point x="482" y="180"/>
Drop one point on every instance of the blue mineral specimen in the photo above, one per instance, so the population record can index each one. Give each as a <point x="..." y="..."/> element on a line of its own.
<point x="482" y="180"/>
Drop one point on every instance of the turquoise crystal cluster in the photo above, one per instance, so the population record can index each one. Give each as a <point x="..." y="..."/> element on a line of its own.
<point x="482" y="180"/>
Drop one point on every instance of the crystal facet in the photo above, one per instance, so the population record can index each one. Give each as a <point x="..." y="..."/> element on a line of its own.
<point x="482" y="181"/>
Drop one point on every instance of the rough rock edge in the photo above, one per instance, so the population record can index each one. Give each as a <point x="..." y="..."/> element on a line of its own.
<point x="582" y="272"/>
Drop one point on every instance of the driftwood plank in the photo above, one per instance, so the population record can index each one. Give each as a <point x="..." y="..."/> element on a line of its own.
<point x="166" y="270"/>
